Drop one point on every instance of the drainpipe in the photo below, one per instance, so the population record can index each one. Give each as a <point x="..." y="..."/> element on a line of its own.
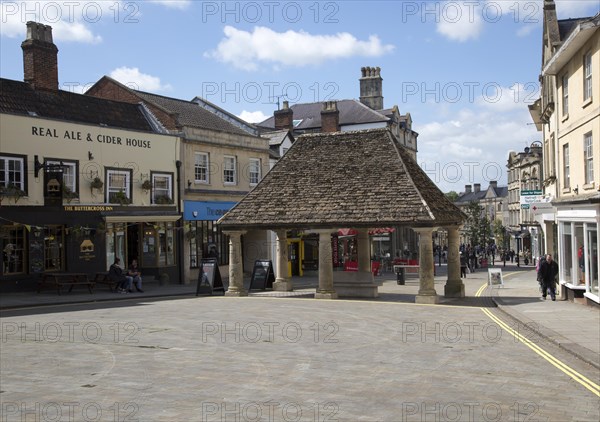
<point x="179" y="225"/>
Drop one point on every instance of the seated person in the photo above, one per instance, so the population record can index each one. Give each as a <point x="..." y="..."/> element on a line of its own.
<point x="136" y="275"/>
<point x="116" y="274"/>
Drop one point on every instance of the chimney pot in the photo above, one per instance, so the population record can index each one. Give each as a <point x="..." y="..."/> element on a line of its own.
<point x="284" y="118"/>
<point x="371" y="88"/>
<point x="40" y="57"/>
<point x="330" y="117"/>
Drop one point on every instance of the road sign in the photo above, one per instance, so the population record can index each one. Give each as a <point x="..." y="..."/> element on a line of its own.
<point x="530" y="196"/>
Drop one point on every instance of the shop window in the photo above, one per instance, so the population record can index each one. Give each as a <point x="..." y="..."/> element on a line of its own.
<point x="591" y="258"/>
<point x="229" y="170"/>
<point x="588" y="157"/>
<point x="162" y="188"/>
<point x="116" y="243"/>
<point x="69" y="173"/>
<point x="158" y="245"/>
<point x="587" y="76"/>
<point x="566" y="267"/>
<point x="13" y="250"/>
<point x="54" y="248"/>
<point x="207" y="241"/>
<point x="118" y="188"/>
<point x="566" y="167"/>
<point x="254" y="171"/>
<point x="565" y="95"/>
<point x="12" y="172"/>
<point x="201" y="163"/>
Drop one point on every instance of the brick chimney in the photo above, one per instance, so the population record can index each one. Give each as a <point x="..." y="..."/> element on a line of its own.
<point x="284" y="118"/>
<point x="330" y="117"/>
<point x="467" y="188"/>
<point x="494" y="184"/>
<point x="371" y="91"/>
<point x="477" y="187"/>
<point x="40" y="57"/>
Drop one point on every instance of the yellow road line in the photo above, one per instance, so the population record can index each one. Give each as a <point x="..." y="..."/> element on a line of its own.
<point x="586" y="382"/>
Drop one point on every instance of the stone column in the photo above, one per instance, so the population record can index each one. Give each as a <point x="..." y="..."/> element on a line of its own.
<point x="364" y="251"/>
<point x="454" y="286"/>
<point x="325" y="290"/>
<point x="236" y="270"/>
<point x="427" y="293"/>
<point x="282" y="283"/>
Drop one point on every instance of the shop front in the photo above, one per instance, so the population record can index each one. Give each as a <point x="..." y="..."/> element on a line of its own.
<point x="578" y="253"/>
<point x="34" y="240"/>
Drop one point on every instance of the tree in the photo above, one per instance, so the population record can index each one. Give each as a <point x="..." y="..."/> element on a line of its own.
<point x="452" y="196"/>
<point x="477" y="227"/>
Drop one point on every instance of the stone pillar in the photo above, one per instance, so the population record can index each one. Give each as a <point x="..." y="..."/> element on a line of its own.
<point x="364" y="251"/>
<point x="236" y="270"/>
<point x="282" y="283"/>
<point x="325" y="290"/>
<point x="427" y="293"/>
<point x="454" y="286"/>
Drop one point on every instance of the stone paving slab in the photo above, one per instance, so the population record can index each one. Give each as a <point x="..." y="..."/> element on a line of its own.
<point x="253" y="358"/>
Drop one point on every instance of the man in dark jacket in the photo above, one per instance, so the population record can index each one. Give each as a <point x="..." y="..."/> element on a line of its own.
<point x="116" y="274"/>
<point x="548" y="275"/>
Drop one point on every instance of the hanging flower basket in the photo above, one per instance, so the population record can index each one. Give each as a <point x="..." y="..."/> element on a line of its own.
<point x="97" y="183"/>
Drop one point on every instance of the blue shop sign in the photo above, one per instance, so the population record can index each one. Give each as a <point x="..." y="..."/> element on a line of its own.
<point x="205" y="210"/>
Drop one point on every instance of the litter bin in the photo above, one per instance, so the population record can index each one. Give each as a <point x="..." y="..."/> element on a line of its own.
<point x="400" y="276"/>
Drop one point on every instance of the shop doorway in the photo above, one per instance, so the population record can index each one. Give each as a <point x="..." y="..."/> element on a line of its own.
<point x="294" y="258"/>
<point x="133" y="242"/>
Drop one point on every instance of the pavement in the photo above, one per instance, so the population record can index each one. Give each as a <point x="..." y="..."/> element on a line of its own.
<point x="574" y="327"/>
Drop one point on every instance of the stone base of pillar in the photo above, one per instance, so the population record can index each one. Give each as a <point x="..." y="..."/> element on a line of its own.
<point x="454" y="289"/>
<point x="427" y="299"/>
<point x="236" y="293"/>
<point x="282" y="285"/>
<point x="358" y="284"/>
<point x="326" y="295"/>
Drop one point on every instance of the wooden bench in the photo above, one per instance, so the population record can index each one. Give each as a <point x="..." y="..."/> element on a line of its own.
<point x="103" y="278"/>
<point x="58" y="280"/>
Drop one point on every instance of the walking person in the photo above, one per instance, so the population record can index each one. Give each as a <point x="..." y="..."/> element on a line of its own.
<point x="548" y="275"/>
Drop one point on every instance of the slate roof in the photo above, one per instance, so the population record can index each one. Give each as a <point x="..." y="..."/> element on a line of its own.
<point x="351" y="112"/>
<point x="190" y="113"/>
<point x="344" y="179"/>
<point x="565" y="26"/>
<point x="500" y="191"/>
<point x="275" y="138"/>
<point x="20" y="98"/>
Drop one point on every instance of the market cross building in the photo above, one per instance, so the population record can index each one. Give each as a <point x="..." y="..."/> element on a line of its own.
<point x="320" y="186"/>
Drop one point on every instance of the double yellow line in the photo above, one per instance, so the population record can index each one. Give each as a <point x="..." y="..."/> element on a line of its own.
<point x="586" y="382"/>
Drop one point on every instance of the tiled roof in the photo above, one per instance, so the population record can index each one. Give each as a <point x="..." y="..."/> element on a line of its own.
<point x="471" y="196"/>
<point x="20" y="98"/>
<point x="190" y="113"/>
<point x="351" y="112"/>
<point x="344" y="179"/>
<point x="276" y="137"/>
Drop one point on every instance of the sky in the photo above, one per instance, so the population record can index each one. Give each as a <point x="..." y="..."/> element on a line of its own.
<point x="464" y="70"/>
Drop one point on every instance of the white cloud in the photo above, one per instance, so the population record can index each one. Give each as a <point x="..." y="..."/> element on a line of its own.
<point x="472" y="146"/>
<point x="247" y="50"/>
<point x="503" y="99"/>
<point x="133" y="78"/>
<point x="253" y="116"/>
<point x="576" y="8"/>
<point x="173" y="4"/>
<point x="460" y="21"/>
<point x="70" y="21"/>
